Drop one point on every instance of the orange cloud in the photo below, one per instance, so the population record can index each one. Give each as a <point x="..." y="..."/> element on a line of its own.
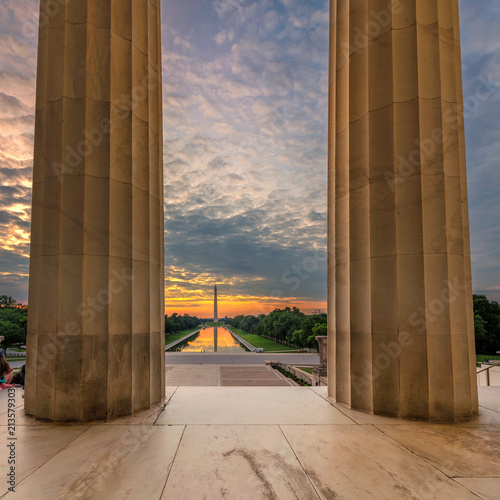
<point x="232" y="306"/>
<point x="191" y="293"/>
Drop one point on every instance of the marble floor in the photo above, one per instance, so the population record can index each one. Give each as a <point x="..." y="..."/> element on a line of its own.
<point x="250" y="443"/>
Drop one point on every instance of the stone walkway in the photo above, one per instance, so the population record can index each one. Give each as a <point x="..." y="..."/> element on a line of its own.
<point x="246" y="358"/>
<point x="223" y="375"/>
<point x="252" y="443"/>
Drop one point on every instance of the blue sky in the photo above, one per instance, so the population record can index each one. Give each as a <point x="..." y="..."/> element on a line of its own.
<point x="245" y="119"/>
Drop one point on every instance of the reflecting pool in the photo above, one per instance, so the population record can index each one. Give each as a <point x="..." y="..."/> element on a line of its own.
<point x="210" y="339"/>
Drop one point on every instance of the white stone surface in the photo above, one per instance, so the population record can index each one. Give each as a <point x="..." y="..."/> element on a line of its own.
<point x="134" y="458"/>
<point x="240" y="462"/>
<point x="249" y="405"/>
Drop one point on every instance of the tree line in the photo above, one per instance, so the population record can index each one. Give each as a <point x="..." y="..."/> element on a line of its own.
<point x="287" y="326"/>
<point x="13" y="321"/>
<point x="486" y="325"/>
<point x="177" y="323"/>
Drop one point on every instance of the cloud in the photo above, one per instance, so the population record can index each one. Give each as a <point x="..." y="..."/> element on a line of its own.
<point x="245" y="88"/>
<point x="180" y="42"/>
<point x="481" y="76"/>
<point x="244" y="130"/>
<point x="224" y="36"/>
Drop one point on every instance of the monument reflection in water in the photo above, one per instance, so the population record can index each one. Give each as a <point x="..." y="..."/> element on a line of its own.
<point x="210" y="339"/>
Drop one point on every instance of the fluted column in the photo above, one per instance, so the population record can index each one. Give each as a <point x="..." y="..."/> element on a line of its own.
<point x="401" y="334"/>
<point x="95" y="345"/>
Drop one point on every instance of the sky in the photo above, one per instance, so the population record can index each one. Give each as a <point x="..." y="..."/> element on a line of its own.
<point x="245" y="150"/>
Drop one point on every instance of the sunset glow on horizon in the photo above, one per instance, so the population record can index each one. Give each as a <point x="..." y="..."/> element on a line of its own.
<point x="202" y="305"/>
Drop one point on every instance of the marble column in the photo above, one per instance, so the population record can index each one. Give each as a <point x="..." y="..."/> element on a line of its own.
<point x="96" y="301"/>
<point x="401" y="333"/>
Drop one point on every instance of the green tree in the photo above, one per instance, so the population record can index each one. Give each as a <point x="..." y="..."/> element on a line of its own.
<point x="7" y="301"/>
<point x="178" y="323"/>
<point x="13" y="321"/>
<point x="12" y="333"/>
<point x="298" y="338"/>
<point x="282" y="325"/>
<point x="480" y="332"/>
<point x="318" y="330"/>
<point x="310" y="322"/>
<point x="487" y="326"/>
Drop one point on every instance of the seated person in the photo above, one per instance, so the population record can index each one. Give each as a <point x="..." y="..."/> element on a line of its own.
<point x="6" y="371"/>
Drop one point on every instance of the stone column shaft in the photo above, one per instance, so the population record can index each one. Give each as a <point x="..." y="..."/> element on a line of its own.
<point x="401" y="334"/>
<point x="96" y="300"/>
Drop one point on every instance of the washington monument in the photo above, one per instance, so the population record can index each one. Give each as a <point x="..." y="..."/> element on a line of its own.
<point x="216" y="318"/>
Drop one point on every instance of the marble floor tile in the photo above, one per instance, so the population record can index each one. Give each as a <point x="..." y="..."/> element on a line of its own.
<point x="359" y="462"/>
<point x="359" y="417"/>
<point x="236" y="462"/>
<point x="322" y="390"/>
<point x="107" y="462"/>
<point x="454" y="450"/>
<point x="486" y="417"/>
<point x="170" y="391"/>
<point x="365" y="418"/>
<point x="249" y="405"/>
<point x="487" y="488"/>
<point x="144" y="417"/>
<point x="487" y="433"/>
<point x="489" y="397"/>
<point x="34" y="446"/>
<point x="21" y="418"/>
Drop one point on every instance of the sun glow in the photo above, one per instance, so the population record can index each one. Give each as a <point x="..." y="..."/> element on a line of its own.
<point x="201" y="303"/>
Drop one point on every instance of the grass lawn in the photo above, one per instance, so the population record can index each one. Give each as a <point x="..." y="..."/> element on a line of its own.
<point x="172" y="337"/>
<point x="305" y="369"/>
<point x="480" y="358"/>
<point x="15" y="358"/>
<point x="214" y="324"/>
<point x="258" y="341"/>
<point x="16" y="349"/>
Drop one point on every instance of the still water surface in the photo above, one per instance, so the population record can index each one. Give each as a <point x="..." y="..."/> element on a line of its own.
<point x="210" y="339"/>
